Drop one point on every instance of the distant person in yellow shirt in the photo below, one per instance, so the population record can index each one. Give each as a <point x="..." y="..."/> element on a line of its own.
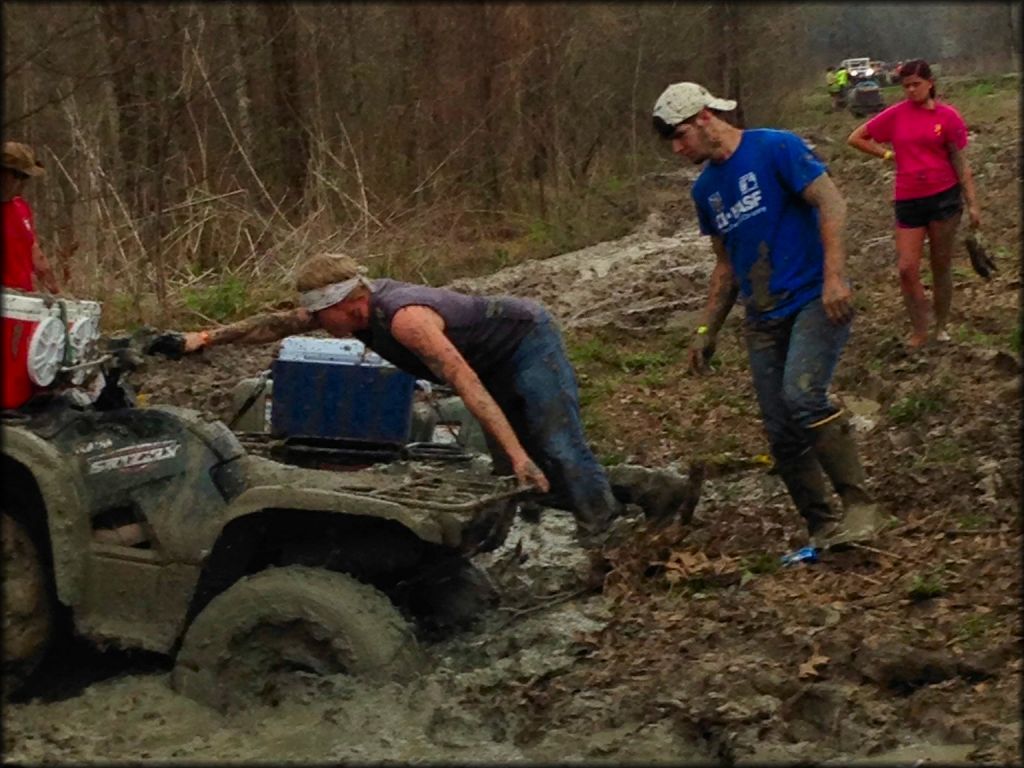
<point x="832" y="86"/>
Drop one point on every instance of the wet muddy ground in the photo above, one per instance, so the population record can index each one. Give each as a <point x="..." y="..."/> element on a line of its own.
<point x="696" y="646"/>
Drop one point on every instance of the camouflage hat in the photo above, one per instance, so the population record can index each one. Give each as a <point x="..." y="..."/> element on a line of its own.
<point x="20" y="157"/>
<point x="681" y="101"/>
<point x="324" y="269"/>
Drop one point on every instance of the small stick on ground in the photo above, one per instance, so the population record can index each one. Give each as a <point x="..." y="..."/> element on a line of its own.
<point x="975" y="532"/>
<point x="876" y="550"/>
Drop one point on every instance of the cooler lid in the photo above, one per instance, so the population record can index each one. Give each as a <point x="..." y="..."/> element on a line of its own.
<point x="305" y="349"/>
<point x="76" y="309"/>
<point x="27" y="307"/>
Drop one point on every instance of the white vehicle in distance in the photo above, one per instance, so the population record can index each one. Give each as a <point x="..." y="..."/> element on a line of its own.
<point x="858" y="69"/>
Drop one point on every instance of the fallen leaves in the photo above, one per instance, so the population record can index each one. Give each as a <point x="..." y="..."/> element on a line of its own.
<point x="689" y="565"/>
<point x="809" y="669"/>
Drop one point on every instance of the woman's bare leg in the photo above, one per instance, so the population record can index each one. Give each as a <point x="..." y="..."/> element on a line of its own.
<point x="941" y="238"/>
<point x="909" y="249"/>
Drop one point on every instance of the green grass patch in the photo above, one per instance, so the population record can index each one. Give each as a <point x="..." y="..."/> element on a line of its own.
<point x="973" y="520"/>
<point x="975" y="627"/>
<point x="643" y="361"/>
<point x="226" y="300"/>
<point x="600" y="349"/>
<point x="924" y="586"/>
<point x="611" y="458"/>
<point x="595" y="425"/>
<point x="762" y="562"/>
<point x="719" y="443"/>
<point x="593" y="391"/>
<point x="551" y="235"/>
<point x="918" y="405"/>
<point x="983" y="99"/>
<point x="966" y="334"/>
<point x="984" y="88"/>
<point x="654" y="379"/>
<point x="610" y="351"/>
<point x="941" y="452"/>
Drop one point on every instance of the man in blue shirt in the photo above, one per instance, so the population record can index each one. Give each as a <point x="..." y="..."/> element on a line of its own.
<point x="776" y="222"/>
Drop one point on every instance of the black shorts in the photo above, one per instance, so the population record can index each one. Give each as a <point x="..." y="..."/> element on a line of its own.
<point x="920" y="211"/>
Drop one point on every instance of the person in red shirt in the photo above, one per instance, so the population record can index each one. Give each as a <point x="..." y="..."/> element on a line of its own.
<point x="23" y="260"/>
<point x="933" y="181"/>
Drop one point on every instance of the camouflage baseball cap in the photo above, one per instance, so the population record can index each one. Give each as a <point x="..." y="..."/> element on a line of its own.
<point x="681" y="101"/>
<point x="20" y="157"/>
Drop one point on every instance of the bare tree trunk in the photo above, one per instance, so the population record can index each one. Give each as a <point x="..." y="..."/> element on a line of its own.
<point x="282" y="31"/>
<point x="408" y="96"/>
<point x="633" y="107"/>
<point x="730" y="51"/>
<point x="354" y="100"/>
<point x="120" y="26"/>
<point x="488" y="66"/>
<point x="1013" y="28"/>
<point x="240" y="77"/>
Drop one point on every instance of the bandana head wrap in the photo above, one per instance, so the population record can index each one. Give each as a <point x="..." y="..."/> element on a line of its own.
<point x="320" y="298"/>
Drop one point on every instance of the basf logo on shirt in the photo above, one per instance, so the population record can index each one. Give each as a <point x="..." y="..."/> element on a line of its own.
<point x="748" y="206"/>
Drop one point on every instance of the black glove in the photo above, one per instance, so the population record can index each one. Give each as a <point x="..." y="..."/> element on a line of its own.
<point x="171" y="345"/>
<point x="980" y="259"/>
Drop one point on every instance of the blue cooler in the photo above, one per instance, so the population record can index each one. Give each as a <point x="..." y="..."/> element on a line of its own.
<point x="339" y="390"/>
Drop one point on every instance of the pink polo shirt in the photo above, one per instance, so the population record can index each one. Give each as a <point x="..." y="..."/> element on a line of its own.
<point x="920" y="139"/>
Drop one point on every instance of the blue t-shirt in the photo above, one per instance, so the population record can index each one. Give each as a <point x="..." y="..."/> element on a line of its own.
<point x="752" y="202"/>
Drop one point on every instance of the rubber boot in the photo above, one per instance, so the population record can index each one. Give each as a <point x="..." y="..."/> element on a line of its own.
<point x="593" y="522"/>
<point x="805" y="482"/>
<point x="661" y="493"/>
<point x="836" y="450"/>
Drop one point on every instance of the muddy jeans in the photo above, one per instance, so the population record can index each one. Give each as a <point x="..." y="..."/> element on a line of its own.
<point x="537" y="391"/>
<point x="792" y="360"/>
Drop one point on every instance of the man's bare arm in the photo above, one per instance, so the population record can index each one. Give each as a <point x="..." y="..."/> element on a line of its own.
<point x="41" y="267"/>
<point x="722" y="294"/>
<point x="723" y="289"/>
<point x="421" y="330"/>
<point x="258" y="329"/>
<point x="836" y="296"/>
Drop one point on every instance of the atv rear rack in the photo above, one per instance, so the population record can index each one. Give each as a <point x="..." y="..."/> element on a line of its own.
<point x="446" y="494"/>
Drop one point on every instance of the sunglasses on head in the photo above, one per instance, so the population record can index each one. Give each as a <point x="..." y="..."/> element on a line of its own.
<point x="664" y="129"/>
<point x="670" y="130"/>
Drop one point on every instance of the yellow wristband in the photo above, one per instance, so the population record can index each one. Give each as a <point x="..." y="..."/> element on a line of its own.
<point x="887" y="155"/>
<point x="702" y="330"/>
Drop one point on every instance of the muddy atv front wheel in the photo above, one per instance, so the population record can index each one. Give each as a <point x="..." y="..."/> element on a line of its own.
<point x="268" y="626"/>
<point x="28" y="622"/>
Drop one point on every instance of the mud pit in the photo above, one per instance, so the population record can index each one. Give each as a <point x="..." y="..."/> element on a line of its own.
<point x="699" y="648"/>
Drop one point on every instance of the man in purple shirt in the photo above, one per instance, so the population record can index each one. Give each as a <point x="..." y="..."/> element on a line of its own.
<point x="505" y="358"/>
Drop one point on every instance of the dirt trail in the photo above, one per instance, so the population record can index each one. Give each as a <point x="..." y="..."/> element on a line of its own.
<point x="699" y="648"/>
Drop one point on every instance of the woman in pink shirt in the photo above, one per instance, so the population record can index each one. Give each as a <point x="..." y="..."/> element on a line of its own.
<point x="932" y="179"/>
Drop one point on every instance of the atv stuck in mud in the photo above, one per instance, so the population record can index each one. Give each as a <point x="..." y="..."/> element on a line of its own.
<point x="153" y="528"/>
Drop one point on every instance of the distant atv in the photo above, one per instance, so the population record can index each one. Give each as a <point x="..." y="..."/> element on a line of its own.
<point x="152" y="528"/>
<point x="865" y="98"/>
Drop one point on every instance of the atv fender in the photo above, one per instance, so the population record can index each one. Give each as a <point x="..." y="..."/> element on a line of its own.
<point x="63" y="496"/>
<point x="422" y="523"/>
